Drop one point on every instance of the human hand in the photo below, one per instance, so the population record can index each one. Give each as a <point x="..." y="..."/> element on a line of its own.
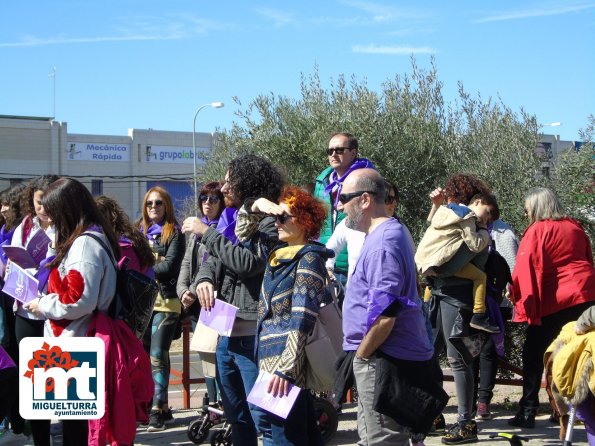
<point x="437" y="196"/>
<point x="194" y="225"/>
<point x="33" y="307"/>
<point x="187" y="299"/>
<point x="267" y="207"/>
<point x="206" y="295"/>
<point x="278" y="386"/>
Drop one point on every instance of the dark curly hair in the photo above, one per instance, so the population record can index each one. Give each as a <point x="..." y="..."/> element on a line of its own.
<point x="491" y="201"/>
<point x="12" y="198"/>
<point x="309" y="213"/>
<point x="121" y="225"/>
<point x="40" y="183"/>
<point x="462" y="187"/>
<point x="254" y="176"/>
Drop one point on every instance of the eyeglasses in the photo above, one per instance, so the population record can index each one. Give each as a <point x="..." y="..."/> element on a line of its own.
<point x="209" y="198"/>
<point x="282" y="219"/>
<point x="337" y="150"/>
<point x="157" y="203"/>
<point x="390" y="199"/>
<point x="346" y="198"/>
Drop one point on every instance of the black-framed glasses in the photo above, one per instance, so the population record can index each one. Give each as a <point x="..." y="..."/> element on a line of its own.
<point x="282" y="219"/>
<point x="346" y="198"/>
<point x="157" y="203"/>
<point x="337" y="150"/>
<point x="209" y="198"/>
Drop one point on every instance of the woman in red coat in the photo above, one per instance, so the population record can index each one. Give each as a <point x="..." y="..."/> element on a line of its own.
<point x="553" y="283"/>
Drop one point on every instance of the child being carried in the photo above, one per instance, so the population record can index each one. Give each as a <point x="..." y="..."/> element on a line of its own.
<point x="452" y="227"/>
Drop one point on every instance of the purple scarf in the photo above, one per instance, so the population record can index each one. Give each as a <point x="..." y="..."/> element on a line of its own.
<point x="214" y="222"/>
<point x="359" y="163"/>
<point x="154" y="230"/>
<point x="227" y="224"/>
<point x="5" y="239"/>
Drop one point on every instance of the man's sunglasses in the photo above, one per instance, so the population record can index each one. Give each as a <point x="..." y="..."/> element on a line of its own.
<point x="346" y="198"/>
<point x="209" y="198"/>
<point x="337" y="150"/>
<point x="157" y="203"/>
<point x="281" y="219"/>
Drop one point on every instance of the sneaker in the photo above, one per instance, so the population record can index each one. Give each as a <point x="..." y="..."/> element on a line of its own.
<point x="481" y="322"/>
<point x="9" y="438"/>
<point x="417" y="439"/>
<point x="438" y="426"/>
<point x="156" y="422"/>
<point x="523" y="421"/>
<point x="483" y="412"/>
<point x="461" y="433"/>
<point x="168" y="417"/>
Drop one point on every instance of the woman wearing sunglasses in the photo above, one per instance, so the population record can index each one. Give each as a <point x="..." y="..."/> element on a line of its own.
<point x="292" y="291"/>
<point x="167" y="242"/>
<point x="211" y="207"/>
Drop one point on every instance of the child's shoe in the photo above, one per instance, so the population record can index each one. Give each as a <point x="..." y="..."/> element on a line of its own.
<point x="481" y="322"/>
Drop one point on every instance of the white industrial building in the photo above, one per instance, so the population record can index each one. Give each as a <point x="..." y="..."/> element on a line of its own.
<point x="123" y="167"/>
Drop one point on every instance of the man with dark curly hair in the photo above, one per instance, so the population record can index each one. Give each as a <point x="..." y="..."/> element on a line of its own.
<point x="236" y="271"/>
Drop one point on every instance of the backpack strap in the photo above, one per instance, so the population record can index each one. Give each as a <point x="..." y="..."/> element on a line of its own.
<point x="104" y="246"/>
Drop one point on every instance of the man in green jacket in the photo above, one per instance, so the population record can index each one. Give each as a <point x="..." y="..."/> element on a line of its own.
<point x="343" y="159"/>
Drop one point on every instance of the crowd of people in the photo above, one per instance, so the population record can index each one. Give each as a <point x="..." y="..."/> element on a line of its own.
<point x="273" y="251"/>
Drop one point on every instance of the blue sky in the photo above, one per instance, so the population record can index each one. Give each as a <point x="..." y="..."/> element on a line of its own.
<point x="150" y="64"/>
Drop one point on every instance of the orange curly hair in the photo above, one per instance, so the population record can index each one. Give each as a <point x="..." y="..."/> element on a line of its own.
<point x="309" y="213"/>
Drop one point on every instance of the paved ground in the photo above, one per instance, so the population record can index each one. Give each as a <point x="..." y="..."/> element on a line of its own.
<point x="545" y="432"/>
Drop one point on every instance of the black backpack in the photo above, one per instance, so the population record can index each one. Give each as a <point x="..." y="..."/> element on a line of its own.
<point x="135" y="295"/>
<point x="498" y="274"/>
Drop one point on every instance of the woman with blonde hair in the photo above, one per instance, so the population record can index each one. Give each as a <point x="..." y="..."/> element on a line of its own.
<point x="553" y="282"/>
<point x="167" y="242"/>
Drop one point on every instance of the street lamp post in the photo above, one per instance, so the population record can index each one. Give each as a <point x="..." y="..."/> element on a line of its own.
<point x="210" y="104"/>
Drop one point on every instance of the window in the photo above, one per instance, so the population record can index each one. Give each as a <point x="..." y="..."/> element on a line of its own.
<point x="97" y="187"/>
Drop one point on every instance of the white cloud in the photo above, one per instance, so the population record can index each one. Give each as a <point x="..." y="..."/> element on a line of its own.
<point x="385" y="13"/>
<point x="137" y="29"/>
<point x="278" y="17"/>
<point x="395" y="50"/>
<point x="537" y="12"/>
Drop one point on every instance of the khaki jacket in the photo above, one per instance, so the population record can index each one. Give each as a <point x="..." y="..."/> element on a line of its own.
<point x="446" y="234"/>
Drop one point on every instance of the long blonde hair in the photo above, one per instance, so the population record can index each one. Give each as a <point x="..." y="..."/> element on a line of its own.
<point x="169" y="218"/>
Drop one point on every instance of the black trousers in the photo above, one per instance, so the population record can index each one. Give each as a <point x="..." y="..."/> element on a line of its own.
<point x="39" y="428"/>
<point x="74" y="432"/>
<point x="537" y="340"/>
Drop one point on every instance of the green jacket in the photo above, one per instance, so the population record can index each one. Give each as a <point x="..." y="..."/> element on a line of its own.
<point x="329" y="225"/>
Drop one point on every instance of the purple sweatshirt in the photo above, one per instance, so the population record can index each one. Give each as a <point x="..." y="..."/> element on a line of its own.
<point x="384" y="273"/>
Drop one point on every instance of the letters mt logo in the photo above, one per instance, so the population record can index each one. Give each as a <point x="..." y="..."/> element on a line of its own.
<point x="62" y="378"/>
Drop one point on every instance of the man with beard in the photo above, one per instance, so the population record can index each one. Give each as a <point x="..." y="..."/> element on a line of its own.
<point x="381" y="290"/>
<point x="236" y="271"/>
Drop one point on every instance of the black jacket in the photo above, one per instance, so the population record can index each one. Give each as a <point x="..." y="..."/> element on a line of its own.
<point x="236" y="269"/>
<point x="167" y="270"/>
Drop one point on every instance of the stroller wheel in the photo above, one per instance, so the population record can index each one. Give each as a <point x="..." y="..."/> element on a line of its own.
<point x="197" y="431"/>
<point x="326" y="418"/>
<point x="221" y="437"/>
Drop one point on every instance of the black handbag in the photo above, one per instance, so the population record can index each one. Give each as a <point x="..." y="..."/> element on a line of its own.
<point x="135" y="295"/>
<point x="408" y="392"/>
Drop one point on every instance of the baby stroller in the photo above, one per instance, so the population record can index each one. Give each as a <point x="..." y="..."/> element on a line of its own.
<point x="212" y="428"/>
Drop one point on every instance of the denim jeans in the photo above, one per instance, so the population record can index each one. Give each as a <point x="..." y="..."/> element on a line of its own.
<point x="485" y="369"/>
<point x="298" y="429"/>
<point x="237" y="370"/>
<point x="462" y="373"/>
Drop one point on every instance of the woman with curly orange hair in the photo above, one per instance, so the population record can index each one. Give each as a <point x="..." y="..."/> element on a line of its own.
<point x="292" y="290"/>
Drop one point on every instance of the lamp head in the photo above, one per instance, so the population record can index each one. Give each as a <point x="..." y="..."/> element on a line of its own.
<point x="217" y="104"/>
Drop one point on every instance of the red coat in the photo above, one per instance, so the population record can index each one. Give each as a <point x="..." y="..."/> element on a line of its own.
<point x="553" y="271"/>
<point x="128" y="383"/>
